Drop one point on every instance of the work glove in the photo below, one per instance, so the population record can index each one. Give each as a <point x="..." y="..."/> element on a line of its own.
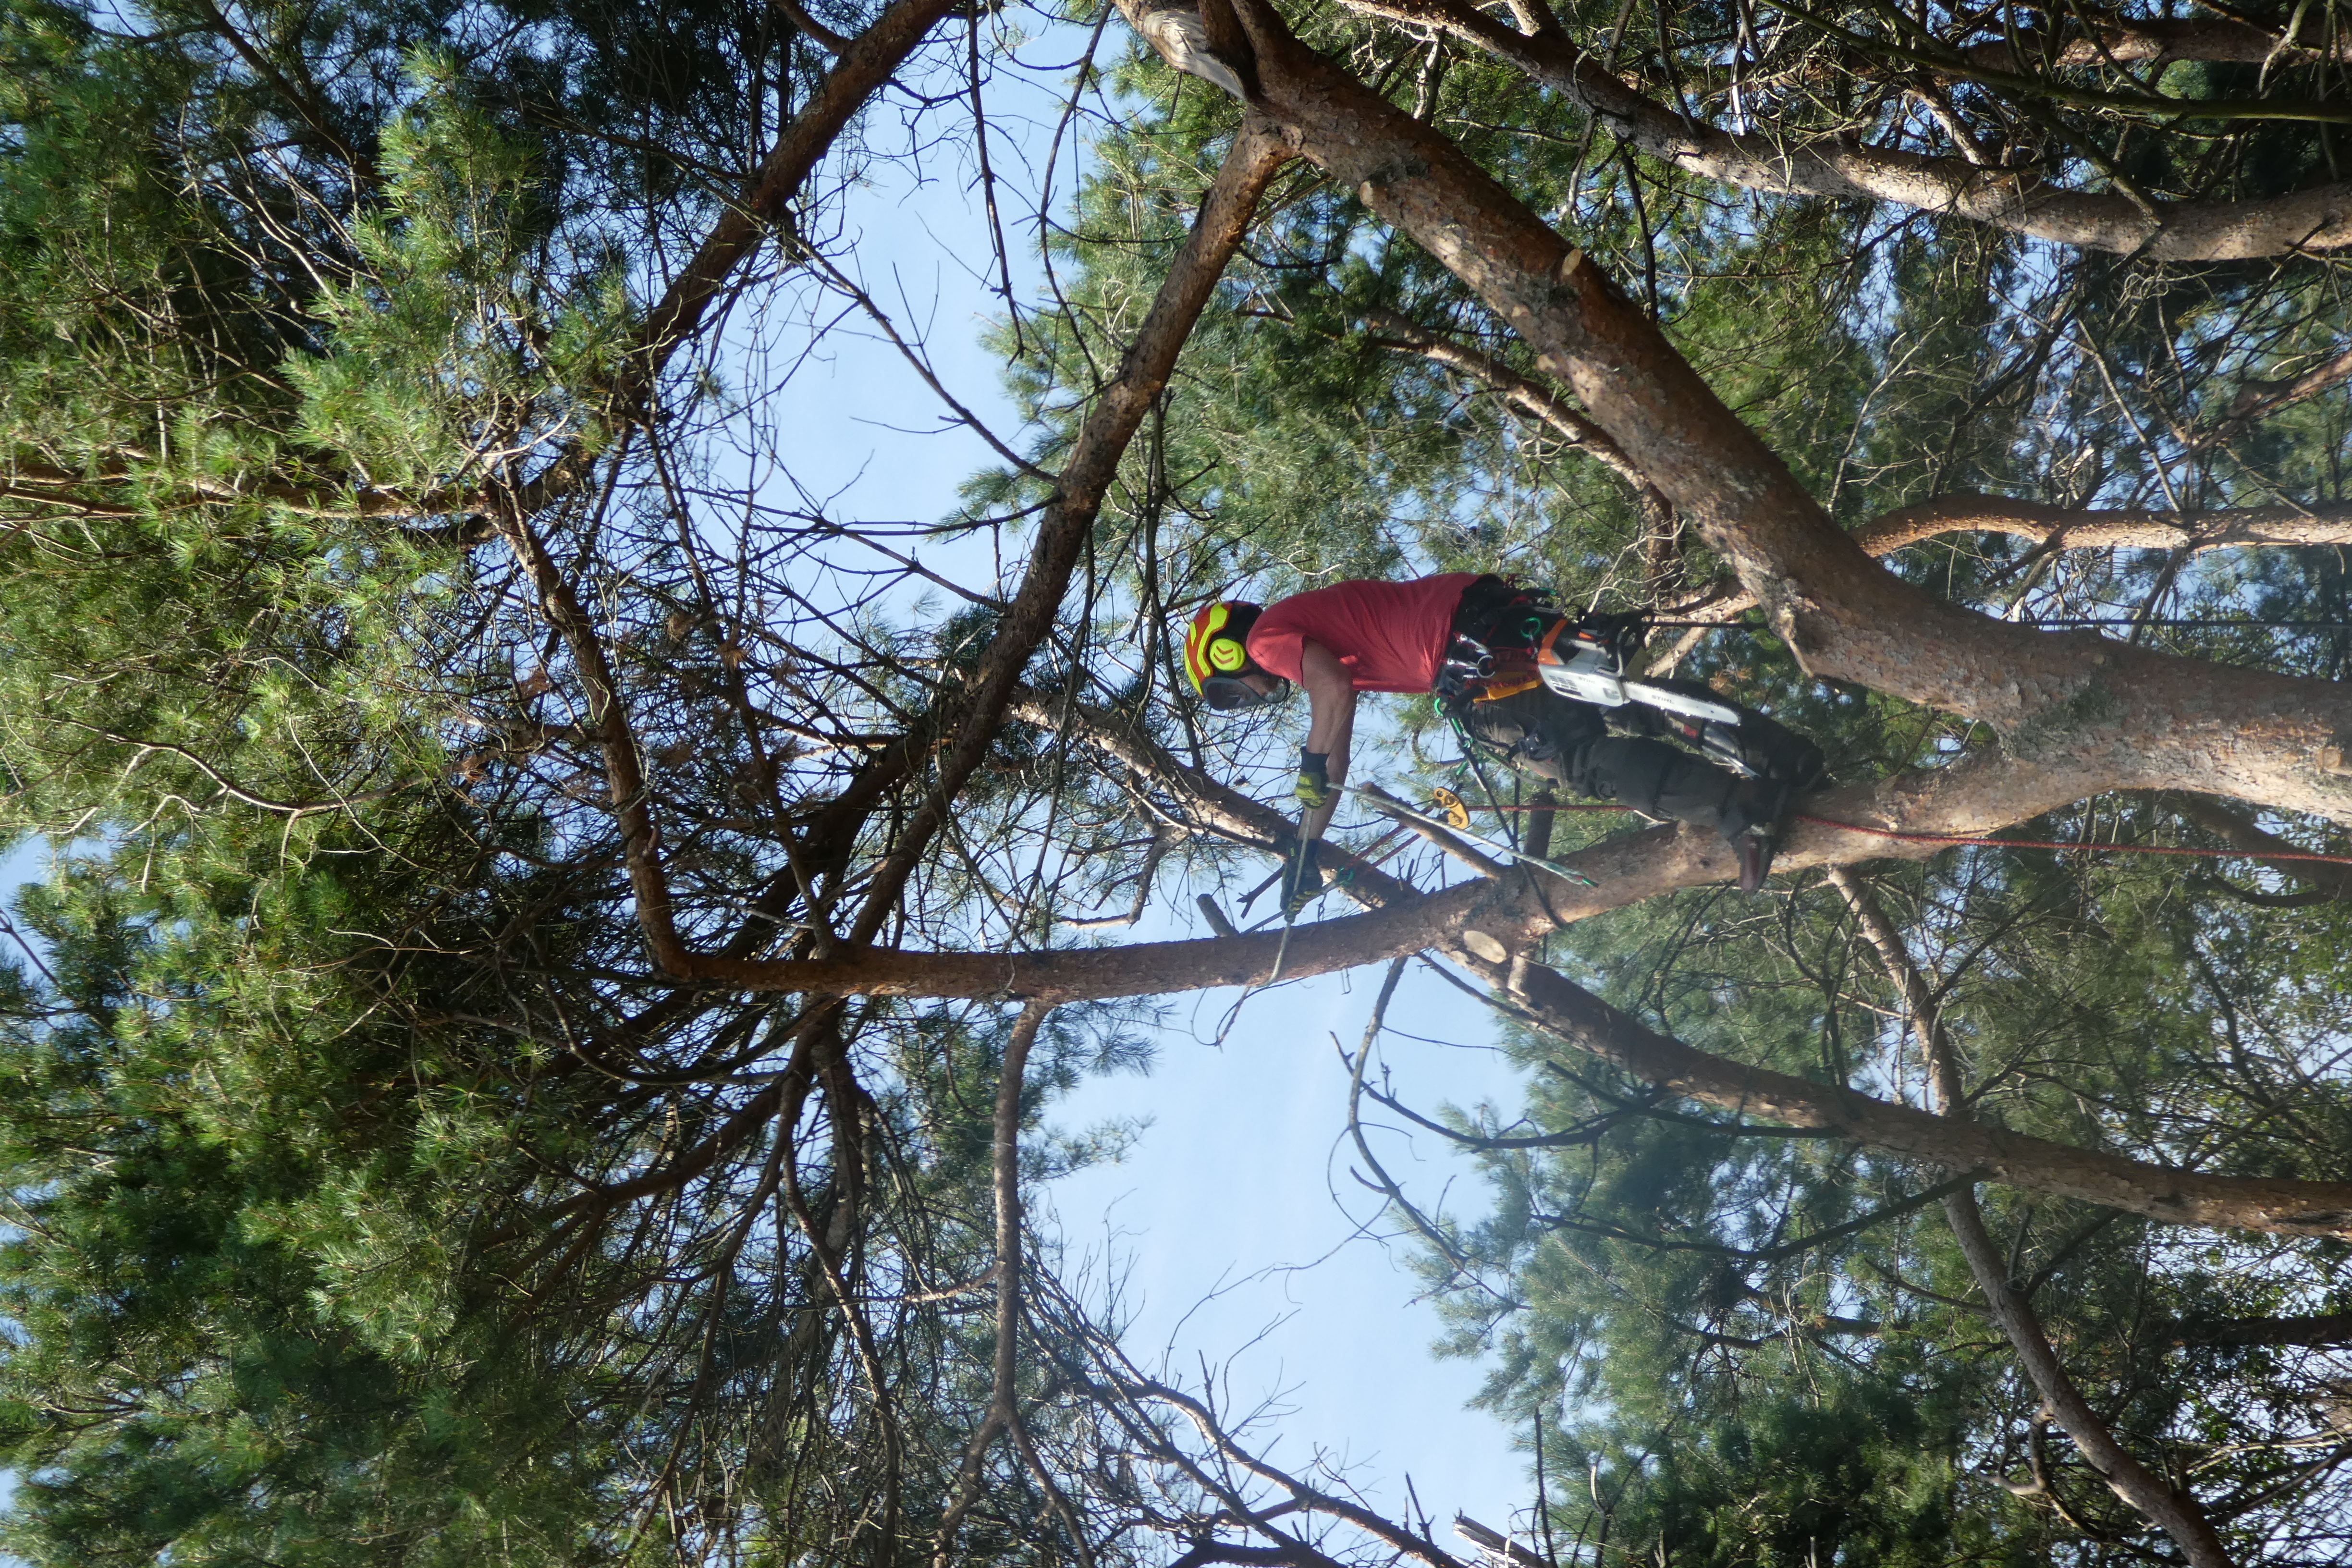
<point x="1302" y="879"/>
<point x="1314" y="787"/>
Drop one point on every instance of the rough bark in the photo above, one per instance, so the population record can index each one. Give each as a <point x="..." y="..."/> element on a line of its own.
<point x="2153" y="40"/>
<point x="2318" y="219"/>
<point x="1971" y="798"/>
<point x="2068" y="528"/>
<point x="2143" y="719"/>
<point x="2092" y="529"/>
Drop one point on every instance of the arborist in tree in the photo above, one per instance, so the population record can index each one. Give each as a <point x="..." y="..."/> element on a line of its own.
<point x="1546" y="691"/>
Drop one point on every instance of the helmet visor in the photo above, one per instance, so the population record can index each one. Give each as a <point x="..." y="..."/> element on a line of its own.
<point x="1228" y="693"/>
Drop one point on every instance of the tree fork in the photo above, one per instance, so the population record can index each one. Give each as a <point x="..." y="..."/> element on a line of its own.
<point x="2145" y="720"/>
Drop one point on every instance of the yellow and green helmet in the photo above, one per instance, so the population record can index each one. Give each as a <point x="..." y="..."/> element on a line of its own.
<point x="1216" y="655"/>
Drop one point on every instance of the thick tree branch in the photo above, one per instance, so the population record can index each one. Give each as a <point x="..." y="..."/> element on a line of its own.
<point x="1515" y="911"/>
<point x="2176" y="1513"/>
<point x="859" y="70"/>
<point x="2064" y="528"/>
<point x="1972" y="797"/>
<point x="2101" y="37"/>
<point x="1068" y="520"/>
<point x="1551" y="1003"/>
<point x="2312" y="220"/>
<point x="2092" y="529"/>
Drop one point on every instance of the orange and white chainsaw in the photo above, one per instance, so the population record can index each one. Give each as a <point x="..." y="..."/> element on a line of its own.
<point x="1585" y="662"/>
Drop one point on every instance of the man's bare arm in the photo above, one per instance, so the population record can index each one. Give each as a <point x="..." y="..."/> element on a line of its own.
<point x="1330" y="725"/>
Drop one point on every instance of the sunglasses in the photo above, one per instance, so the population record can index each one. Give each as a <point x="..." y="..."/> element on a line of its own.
<point x="1227" y="693"/>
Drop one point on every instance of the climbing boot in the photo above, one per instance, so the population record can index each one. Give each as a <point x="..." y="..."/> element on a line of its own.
<point x="1751" y="826"/>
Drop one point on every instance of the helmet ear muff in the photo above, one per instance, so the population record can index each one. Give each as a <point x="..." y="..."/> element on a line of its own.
<point x="1216" y="645"/>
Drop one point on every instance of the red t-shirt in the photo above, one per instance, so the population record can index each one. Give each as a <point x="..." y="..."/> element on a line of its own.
<point x="1392" y="637"/>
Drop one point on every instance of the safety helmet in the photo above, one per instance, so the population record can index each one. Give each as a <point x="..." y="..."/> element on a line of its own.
<point x="1216" y="655"/>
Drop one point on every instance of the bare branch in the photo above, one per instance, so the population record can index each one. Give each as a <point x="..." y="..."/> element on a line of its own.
<point x="859" y="71"/>
<point x="1549" y="1002"/>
